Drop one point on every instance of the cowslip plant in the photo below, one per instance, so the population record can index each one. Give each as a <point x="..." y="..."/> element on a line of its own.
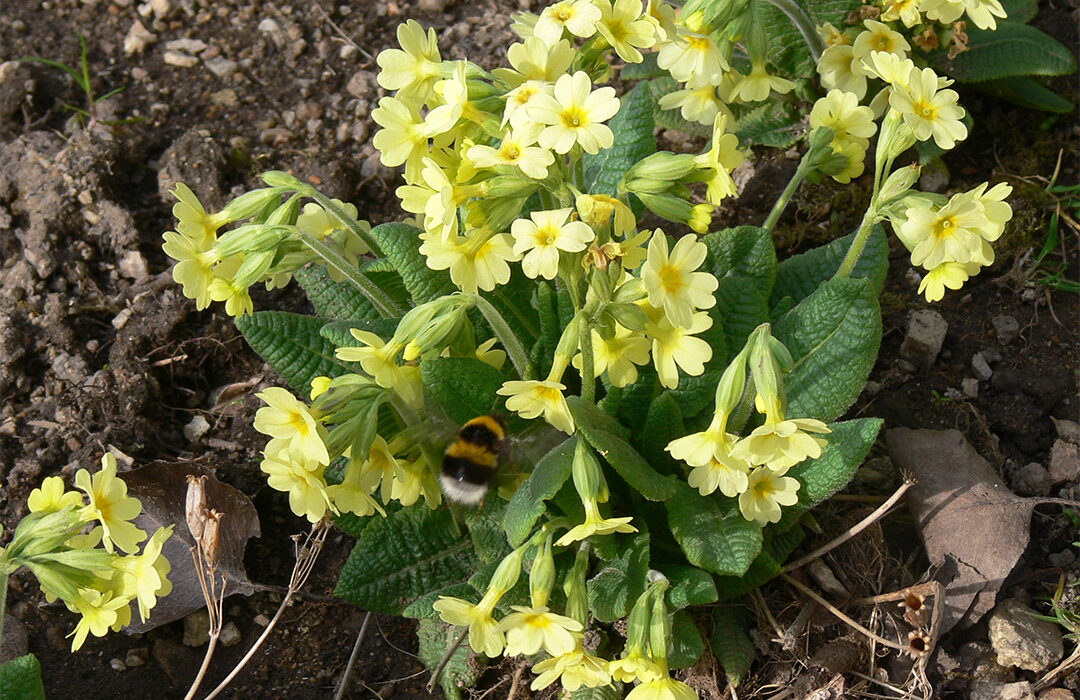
<point x="686" y="388"/>
<point x="83" y="549"/>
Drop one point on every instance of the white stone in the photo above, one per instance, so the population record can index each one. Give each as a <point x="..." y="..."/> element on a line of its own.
<point x="182" y="60"/>
<point x="138" y="38"/>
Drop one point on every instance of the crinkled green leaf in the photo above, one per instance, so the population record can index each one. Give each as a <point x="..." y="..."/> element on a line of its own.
<point x="766" y="566"/>
<point x="1013" y="49"/>
<point x="486" y="531"/>
<point x="291" y="344"/>
<point x="689" y="586"/>
<point x="404" y="556"/>
<point x="1027" y="93"/>
<point x="20" y="679"/>
<point x="463" y="387"/>
<point x="731" y="643"/>
<point x="801" y="274"/>
<point x="776" y="124"/>
<point x="613" y="691"/>
<point x="620" y="580"/>
<point x="594" y="424"/>
<point x="633" y="130"/>
<point x="339" y="301"/>
<point x="1020" y="10"/>
<point x="848" y="444"/>
<point x="401" y="245"/>
<point x="644" y="70"/>
<point x="527" y="504"/>
<point x="340" y="332"/>
<point x="686" y="642"/>
<point x="743" y="260"/>
<point x="833" y="336"/>
<point x="712" y="532"/>
<point x="464" y="667"/>
<point x="787" y="49"/>
<point x="663" y="424"/>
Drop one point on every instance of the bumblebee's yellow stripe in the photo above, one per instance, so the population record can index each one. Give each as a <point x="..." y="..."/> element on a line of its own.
<point x="489" y="423"/>
<point x="477" y="454"/>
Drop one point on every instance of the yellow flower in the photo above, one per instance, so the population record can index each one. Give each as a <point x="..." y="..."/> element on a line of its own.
<point x="536" y="60"/>
<point x="692" y="56"/>
<point x="995" y="209"/>
<point x="377" y="357"/>
<point x="831" y="36"/>
<point x="194" y="265"/>
<point x="781" y="444"/>
<point x="530" y="398"/>
<point x="576" y="669"/>
<point x="928" y="111"/>
<point x="663" y="688"/>
<point x="579" y="17"/>
<point x="634" y="667"/>
<point x="907" y="11"/>
<point x="404" y="136"/>
<point x="855" y="153"/>
<point x="618" y="355"/>
<point x="839" y="69"/>
<point x="110" y="505"/>
<point x="948" y="274"/>
<point x="697" y="104"/>
<point x="671" y="280"/>
<point x="879" y="37"/>
<point x="722" y="157"/>
<point x="540" y="238"/>
<point x="319" y="222"/>
<point x="840" y="111"/>
<point x="192" y="219"/>
<point x="662" y="17"/>
<point x="99" y="612"/>
<point x="625" y="28"/>
<point x="413" y="68"/>
<point x="981" y="12"/>
<point x="950" y="234"/>
<point x="436" y="197"/>
<point x="477" y="260"/>
<point x="675" y="347"/>
<point x="485" y="636"/>
<point x="595" y="524"/>
<point x="709" y="453"/>
<point x="143" y="576"/>
<point x="223" y="287"/>
<point x="765" y="493"/>
<point x="757" y="86"/>
<point x="413" y="480"/>
<point x="598" y="210"/>
<point x="527" y="629"/>
<point x="517" y="150"/>
<point x="303" y="481"/>
<point x="516" y="112"/>
<point x="287" y="418"/>
<point x="893" y="69"/>
<point x="574" y="114"/>
<point x="350" y="496"/>
<point x="51" y="497"/>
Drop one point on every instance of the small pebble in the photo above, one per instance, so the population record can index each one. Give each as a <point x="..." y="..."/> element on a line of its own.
<point x="925" y="335"/>
<point x="197" y="629"/>
<point x="120" y="320"/>
<point x="1068" y="430"/>
<point x="230" y="635"/>
<point x="186" y="45"/>
<point x="136" y="657"/>
<point x="133" y="265"/>
<point x="1029" y="295"/>
<point x="221" y="66"/>
<point x="138" y="38"/>
<point x="196" y="428"/>
<point x="1064" y="462"/>
<point x="981" y="368"/>
<point x="970" y="387"/>
<point x="261" y="620"/>
<point x="1032" y="479"/>
<point x="1006" y="328"/>
<point x="117" y="664"/>
<point x="181" y="60"/>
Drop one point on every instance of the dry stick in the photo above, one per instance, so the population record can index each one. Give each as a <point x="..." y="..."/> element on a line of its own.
<point x="836" y="613"/>
<point x="305" y="561"/>
<point x="352" y="659"/>
<point x="214" y="607"/>
<point x="852" y="531"/>
<point x="1052" y="675"/>
<point x="760" y="599"/>
<point x="515" y="681"/>
<point x="445" y="660"/>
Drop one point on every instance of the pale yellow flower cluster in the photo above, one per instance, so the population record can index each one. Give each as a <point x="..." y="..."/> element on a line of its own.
<point x="99" y="583"/>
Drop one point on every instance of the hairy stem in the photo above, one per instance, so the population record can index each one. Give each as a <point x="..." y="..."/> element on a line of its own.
<point x="851" y="258"/>
<point x="798" y="16"/>
<point x="787" y="194"/>
<point x="386" y="306"/>
<point x="588" y="378"/>
<point x="514" y="349"/>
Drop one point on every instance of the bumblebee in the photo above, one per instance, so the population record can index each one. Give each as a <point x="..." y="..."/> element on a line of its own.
<point x="471" y="462"/>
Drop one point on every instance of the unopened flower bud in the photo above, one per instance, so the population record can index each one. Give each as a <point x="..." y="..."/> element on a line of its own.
<point x="253" y="203"/>
<point x="586" y="472"/>
<point x="629" y="316"/>
<point x="542" y="575"/>
<point x="507" y="573"/>
<point x="899" y="182"/>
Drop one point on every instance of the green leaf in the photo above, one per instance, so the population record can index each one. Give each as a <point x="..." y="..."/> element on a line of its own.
<point x="464" y="387"/>
<point x="403" y="556"/>
<point x="338" y="301"/>
<point x="527" y="504"/>
<point x="401" y="245"/>
<point x="633" y="129"/>
<point x="644" y="70"/>
<point x="774" y="124"/>
<point x="847" y="447"/>
<point x="1020" y="10"/>
<point x="767" y="565"/>
<point x="340" y="332"/>
<point x="743" y="260"/>
<point x="798" y="276"/>
<point x="613" y="691"/>
<point x="833" y="336"/>
<point x="620" y="580"/>
<point x="20" y="679"/>
<point x="663" y="424"/>
<point x="689" y="586"/>
<point x="712" y="532"/>
<point x="695" y="394"/>
<point x="686" y="642"/>
<point x="1027" y="93"/>
<point x="486" y="531"/>
<point x="546" y="304"/>
<point x="787" y="49"/>
<point x="1013" y="49"/>
<point x="594" y="424"/>
<point x="464" y="667"/>
<point x="731" y="643"/>
<point x="291" y="344"/>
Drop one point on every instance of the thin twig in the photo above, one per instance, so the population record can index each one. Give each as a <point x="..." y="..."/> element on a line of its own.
<point x="515" y="681"/>
<point x="445" y="660"/>
<point x="841" y="616"/>
<point x="852" y="531"/>
<point x="352" y="659"/>
<point x="341" y="31"/>
<point x="760" y="600"/>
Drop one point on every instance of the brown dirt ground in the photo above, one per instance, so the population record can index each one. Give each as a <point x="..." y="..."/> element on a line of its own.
<point x="98" y="348"/>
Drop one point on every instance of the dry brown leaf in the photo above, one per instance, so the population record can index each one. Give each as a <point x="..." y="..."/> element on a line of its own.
<point x="162" y="487"/>
<point x="973" y="527"/>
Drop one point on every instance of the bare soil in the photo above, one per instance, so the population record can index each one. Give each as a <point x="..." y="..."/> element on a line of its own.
<point x="99" y="349"/>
